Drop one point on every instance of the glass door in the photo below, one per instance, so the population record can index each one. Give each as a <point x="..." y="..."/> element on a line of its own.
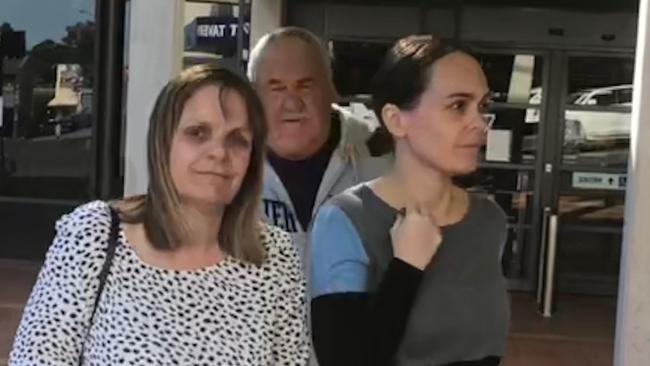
<point x="558" y="147"/>
<point x="511" y="158"/>
<point x="593" y="170"/>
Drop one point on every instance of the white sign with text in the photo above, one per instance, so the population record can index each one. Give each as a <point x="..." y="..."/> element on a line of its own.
<point x="588" y="180"/>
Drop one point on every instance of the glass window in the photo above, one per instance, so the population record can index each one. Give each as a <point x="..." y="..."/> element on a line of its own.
<point x="624" y="96"/>
<point x="590" y="262"/>
<point x="513" y="78"/>
<point x="593" y="199"/>
<point x="597" y="117"/>
<point x="513" y="191"/>
<point x="605" y="97"/>
<point x="513" y="136"/>
<point x="47" y="77"/>
<point x="355" y="64"/>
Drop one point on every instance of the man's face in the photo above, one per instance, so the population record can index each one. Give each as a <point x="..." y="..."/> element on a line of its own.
<point x="297" y="94"/>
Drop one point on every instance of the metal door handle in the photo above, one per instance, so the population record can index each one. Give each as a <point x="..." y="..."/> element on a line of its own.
<point x="542" y="255"/>
<point x="551" y="252"/>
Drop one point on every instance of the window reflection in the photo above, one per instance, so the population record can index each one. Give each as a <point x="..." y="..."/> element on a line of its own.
<point x="513" y="191"/>
<point x="590" y="264"/>
<point x="600" y="209"/>
<point x="355" y="64"/>
<point x="597" y="119"/>
<point x="47" y="82"/>
<point x="513" y="137"/>
<point x="513" y="78"/>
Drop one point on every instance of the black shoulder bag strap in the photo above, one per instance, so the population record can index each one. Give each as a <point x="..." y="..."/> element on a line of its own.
<point x="110" y="253"/>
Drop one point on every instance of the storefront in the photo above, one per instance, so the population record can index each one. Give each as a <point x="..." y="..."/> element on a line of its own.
<point x="559" y="147"/>
<point x="78" y="86"/>
<point x="558" y="157"/>
<point x="560" y="142"/>
<point x="61" y="119"/>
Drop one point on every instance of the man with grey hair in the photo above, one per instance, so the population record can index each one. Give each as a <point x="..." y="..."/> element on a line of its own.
<point x="315" y="149"/>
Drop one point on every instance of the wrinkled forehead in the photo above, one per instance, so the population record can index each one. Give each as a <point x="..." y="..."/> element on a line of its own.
<point x="291" y="59"/>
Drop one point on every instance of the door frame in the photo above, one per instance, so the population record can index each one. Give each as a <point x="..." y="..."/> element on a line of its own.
<point x="528" y="282"/>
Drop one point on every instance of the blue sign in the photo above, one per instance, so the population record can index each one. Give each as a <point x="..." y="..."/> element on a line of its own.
<point x="219" y="34"/>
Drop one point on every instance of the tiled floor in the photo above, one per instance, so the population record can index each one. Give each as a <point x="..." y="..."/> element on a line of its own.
<point x="16" y="281"/>
<point x="579" y="334"/>
<point x="536" y="352"/>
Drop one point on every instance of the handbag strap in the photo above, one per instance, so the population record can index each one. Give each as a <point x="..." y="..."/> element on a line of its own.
<point x="110" y="253"/>
<point x="103" y="274"/>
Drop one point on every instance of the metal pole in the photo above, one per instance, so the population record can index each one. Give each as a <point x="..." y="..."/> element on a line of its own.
<point x="2" y="129"/>
<point x="549" y="284"/>
<point x="240" y="35"/>
<point x="542" y="256"/>
<point x="109" y="63"/>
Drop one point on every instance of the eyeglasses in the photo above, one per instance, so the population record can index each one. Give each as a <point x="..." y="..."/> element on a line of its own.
<point x="489" y="119"/>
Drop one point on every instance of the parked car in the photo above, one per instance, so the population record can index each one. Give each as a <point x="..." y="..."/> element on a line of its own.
<point x="587" y="128"/>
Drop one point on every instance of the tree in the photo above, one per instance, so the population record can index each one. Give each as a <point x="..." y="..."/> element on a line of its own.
<point x="6" y="27"/>
<point x="48" y="54"/>
<point x="80" y="40"/>
<point x="80" y="35"/>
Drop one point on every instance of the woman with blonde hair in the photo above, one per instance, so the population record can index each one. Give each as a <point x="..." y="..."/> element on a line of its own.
<point x="186" y="273"/>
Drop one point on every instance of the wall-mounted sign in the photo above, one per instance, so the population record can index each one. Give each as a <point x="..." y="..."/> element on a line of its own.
<point x="498" y="145"/>
<point x="68" y="85"/>
<point x="217" y="34"/>
<point x="588" y="180"/>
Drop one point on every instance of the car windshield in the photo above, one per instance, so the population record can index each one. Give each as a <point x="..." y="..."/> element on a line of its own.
<point x="573" y="97"/>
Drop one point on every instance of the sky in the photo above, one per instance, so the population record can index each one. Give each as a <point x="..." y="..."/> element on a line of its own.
<point x="45" y="19"/>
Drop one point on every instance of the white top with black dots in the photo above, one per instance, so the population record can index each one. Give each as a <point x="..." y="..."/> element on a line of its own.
<point x="231" y="313"/>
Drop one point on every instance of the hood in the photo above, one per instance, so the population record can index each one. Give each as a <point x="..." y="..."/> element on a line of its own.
<point x="355" y="132"/>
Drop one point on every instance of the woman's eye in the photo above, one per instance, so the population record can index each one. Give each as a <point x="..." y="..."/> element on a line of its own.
<point x="238" y="141"/>
<point x="486" y="105"/>
<point x="459" y="106"/>
<point x="197" y="132"/>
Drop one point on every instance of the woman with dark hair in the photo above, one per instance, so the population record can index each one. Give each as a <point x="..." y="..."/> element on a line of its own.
<point x="406" y="268"/>
<point x="185" y="274"/>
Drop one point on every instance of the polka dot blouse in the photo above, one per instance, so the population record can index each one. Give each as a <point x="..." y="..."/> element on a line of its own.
<point x="231" y="313"/>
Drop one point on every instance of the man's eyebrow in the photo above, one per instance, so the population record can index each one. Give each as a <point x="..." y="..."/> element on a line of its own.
<point x="306" y="80"/>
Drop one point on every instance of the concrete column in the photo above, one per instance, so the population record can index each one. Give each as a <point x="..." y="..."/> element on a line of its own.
<point x="155" y="47"/>
<point x="632" y="344"/>
<point x="266" y="15"/>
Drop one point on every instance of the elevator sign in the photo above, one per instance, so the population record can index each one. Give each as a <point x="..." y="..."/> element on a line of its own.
<point x="584" y="180"/>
